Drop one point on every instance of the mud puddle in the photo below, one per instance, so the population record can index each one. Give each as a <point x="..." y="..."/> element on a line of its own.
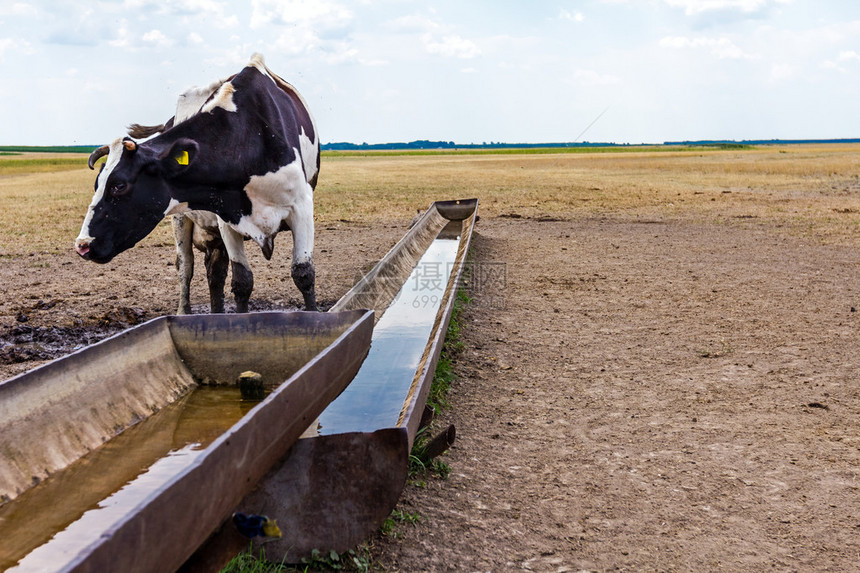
<point x="25" y="342"/>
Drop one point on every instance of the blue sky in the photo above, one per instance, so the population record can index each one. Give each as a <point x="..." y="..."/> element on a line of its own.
<point x="464" y="70"/>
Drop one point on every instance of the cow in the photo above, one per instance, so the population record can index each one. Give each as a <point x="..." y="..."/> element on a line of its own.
<point x="199" y="229"/>
<point x="250" y="155"/>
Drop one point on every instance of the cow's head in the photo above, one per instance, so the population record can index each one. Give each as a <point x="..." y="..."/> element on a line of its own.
<point x="132" y="194"/>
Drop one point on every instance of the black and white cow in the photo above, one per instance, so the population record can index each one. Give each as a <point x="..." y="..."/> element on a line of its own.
<point x="200" y="229"/>
<point x="250" y="155"/>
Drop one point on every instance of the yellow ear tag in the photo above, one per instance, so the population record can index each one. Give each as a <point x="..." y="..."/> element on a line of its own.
<point x="182" y="158"/>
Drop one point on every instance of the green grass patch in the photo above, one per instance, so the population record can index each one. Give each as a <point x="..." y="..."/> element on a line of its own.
<point x="437" y="398"/>
<point x="352" y="560"/>
<point x="529" y="150"/>
<point x="10" y="149"/>
<point x="451" y="348"/>
<point x="734" y="146"/>
<point x="247" y="562"/>
<point x="40" y="165"/>
<point x="398" y="517"/>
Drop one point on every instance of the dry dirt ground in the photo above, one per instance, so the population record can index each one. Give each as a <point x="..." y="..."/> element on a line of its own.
<point x="644" y="395"/>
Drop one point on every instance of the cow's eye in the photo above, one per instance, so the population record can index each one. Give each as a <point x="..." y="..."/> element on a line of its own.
<point x="119" y="188"/>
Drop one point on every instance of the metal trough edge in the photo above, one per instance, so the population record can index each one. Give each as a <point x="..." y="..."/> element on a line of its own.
<point x="163" y="531"/>
<point x="334" y="491"/>
<point x="185" y="502"/>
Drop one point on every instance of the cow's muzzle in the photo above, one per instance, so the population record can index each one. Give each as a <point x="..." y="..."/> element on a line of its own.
<point x="82" y="247"/>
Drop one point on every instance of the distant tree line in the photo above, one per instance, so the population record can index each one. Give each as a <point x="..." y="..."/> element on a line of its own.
<point x="8" y="149"/>
<point x="427" y="144"/>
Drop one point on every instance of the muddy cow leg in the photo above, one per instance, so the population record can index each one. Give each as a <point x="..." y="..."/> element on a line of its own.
<point x="304" y="277"/>
<point x="183" y="229"/>
<point x="301" y="223"/>
<point x="216" y="260"/>
<point x="242" y="283"/>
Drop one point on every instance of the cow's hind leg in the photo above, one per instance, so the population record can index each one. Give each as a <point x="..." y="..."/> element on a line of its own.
<point x="301" y="223"/>
<point x="242" y="283"/>
<point x="217" y="261"/>
<point x="183" y="230"/>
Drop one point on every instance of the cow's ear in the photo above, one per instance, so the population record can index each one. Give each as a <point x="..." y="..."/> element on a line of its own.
<point x="178" y="157"/>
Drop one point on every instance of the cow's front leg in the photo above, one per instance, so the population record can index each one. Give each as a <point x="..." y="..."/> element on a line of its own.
<point x="301" y="223"/>
<point x="183" y="230"/>
<point x="304" y="277"/>
<point x="242" y="282"/>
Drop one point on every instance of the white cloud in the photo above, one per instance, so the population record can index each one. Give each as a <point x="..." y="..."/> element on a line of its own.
<point x="296" y="40"/>
<point x="693" y="7"/>
<point x="722" y="48"/>
<point x="161" y="8"/>
<point x="18" y="9"/>
<point x="412" y="23"/>
<point x="452" y="47"/>
<point x="122" y="38"/>
<point x="157" y="38"/>
<point x="844" y="57"/>
<point x="317" y="28"/>
<point x="593" y="78"/>
<point x="571" y="16"/>
<point x="195" y="38"/>
<point x="375" y="62"/>
<point x="5" y="44"/>
<point x="849" y="55"/>
<point x="782" y="72"/>
<point x="15" y="45"/>
<point x="339" y="53"/>
<point x="322" y="13"/>
<point x="831" y="65"/>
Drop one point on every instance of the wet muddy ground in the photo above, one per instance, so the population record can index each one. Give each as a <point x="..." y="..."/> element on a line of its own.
<point x="53" y="304"/>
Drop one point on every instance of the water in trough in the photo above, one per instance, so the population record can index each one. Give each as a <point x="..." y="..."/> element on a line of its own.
<point x="75" y="505"/>
<point x="375" y="397"/>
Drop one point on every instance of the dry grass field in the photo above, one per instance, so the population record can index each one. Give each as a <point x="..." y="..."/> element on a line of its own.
<point x="807" y="187"/>
<point x="664" y="379"/>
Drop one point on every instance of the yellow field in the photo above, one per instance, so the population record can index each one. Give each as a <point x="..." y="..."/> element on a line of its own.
<point x="813" y="189"/>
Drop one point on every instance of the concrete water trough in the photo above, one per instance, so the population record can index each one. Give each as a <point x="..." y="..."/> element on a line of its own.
<point x="342" y="480"/>
<point x="127" y="455"/>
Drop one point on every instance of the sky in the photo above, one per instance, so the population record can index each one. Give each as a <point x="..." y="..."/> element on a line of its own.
<point x="468" y="71"/>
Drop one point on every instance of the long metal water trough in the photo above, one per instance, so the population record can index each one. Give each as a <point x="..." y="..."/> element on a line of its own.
<point x="126" y="411"/>
<point x="336" y="487"/>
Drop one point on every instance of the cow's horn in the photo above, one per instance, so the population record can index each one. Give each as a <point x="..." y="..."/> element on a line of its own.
<point x="97" y="154"/>
<point x="129" y="144"/>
